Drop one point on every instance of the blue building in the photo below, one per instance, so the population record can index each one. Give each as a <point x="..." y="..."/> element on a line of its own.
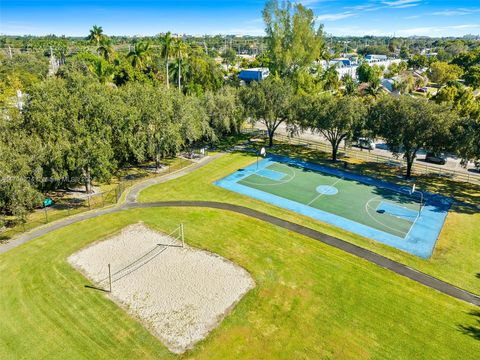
<point x="254" y="74"/>
<point x="344" y="61"/>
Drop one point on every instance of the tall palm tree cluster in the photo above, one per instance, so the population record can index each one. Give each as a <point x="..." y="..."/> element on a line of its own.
<point x="173" y="51"/>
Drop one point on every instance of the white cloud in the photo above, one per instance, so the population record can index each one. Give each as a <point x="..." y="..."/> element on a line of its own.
<point x="399" y="4"/>
<point x="247" y="30"/>
<point x="356" y="31"/>
<point x="437" y="30"/>
<point x="312" y="2"/>
<point x="335" y="17"/>
<point x="456" y="12"/>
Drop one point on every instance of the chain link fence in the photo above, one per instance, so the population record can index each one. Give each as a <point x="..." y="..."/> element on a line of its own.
<point x="66" y="206"/>
<point x="365" y="155"/>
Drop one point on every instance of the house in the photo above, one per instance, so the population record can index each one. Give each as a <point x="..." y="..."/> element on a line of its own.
<point x="254" y="74"/>
<point x="343" y="61"/>
<point x="373" y="57"/>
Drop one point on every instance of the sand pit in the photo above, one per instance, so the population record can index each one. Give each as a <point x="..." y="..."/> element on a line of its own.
<point x="179" y="293"/>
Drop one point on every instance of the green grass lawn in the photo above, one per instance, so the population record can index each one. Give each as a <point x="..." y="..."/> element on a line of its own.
<point x="310" y="300"/>
<point x="455" y="258"/>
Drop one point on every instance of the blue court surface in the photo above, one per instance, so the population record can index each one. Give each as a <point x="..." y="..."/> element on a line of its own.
<point x="372" y="208"/>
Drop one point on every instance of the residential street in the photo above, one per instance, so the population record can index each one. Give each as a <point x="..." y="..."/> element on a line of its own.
<point x="453" y="163"/>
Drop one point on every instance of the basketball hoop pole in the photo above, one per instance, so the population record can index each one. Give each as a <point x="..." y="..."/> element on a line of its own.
<point x="260" y="152"/>
<point x="413" y="191"/>
<point x="421" y="200"/>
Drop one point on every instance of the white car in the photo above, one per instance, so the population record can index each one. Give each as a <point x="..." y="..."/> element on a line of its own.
<point x="365" y="143"/>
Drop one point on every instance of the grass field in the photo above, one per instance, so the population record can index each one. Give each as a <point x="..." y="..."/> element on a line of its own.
<point x="454" y="260"/>
<point x="311" y="300"/>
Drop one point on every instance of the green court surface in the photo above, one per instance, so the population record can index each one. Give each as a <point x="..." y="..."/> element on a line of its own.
<point x="376" y="207"/>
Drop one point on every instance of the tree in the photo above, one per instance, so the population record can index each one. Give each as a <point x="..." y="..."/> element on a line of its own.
<point x="418" y="62"/>
<point x="270" y="102"/>
<point x="374" y="89"/>
<point x="20" y="160"/>
<point x="139" y="55"/>
<point x="467" y="59"/>
<point x="96" y="35"/>
<point x="105" y="49"/>
<point x="405" y="83"/>
<point x="374" y="49"/>
<point x="330" y="79"/>
<point x="404" y="53"/>
<point x="467" y="140"/>
<point x="368" y="74"/>
<point x="180" y="50"/>
<point x="293" y="42"/>
<point x="167" y="45"/>
<point x="472" y="77"/>
<point x="72" y="122"/>
<point x="409" y="124"/>
<point x="336" y="118"/>
<point x="224" y="111"/>
<point x="351" y="86"/>
<point x="201" y="74"/>
<point x="193" y="120"/>
<point x="24" y="70"/>
<point x="229" y="57"/>
<point x="103" y="71"/>
<point x="442" y="72"/>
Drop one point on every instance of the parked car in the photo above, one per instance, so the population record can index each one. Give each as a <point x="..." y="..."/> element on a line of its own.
<point x="422" y="89"/>
<point x="365" y="143"/>
<point x="435" y="158"/>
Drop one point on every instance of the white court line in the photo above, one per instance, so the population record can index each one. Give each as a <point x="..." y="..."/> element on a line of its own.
<point x="281" y="182"/>
<point x="418" y="217"/>
<point x="318" y="196"/>
<point x="377" y="221"/>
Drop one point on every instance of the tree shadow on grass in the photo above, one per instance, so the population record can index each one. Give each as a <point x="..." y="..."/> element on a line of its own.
<point x="472" y="330"/>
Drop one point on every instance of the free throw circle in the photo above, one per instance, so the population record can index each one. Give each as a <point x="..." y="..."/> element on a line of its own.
<point x="327" y="190"/>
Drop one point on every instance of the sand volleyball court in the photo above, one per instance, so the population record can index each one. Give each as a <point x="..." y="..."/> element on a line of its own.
<point x="179" y="293"/>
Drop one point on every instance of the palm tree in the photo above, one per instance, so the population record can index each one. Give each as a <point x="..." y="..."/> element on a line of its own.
<point x="140" y="54"/>
<point x="106" y="49"/>
<point x="180" y="51"/>
<point x="96" y="34"/>
<point x="167" y="42"/>
<point x="374" y="89"/>
<point x="103" y="71"/>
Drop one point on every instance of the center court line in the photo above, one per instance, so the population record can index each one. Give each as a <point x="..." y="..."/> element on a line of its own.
<point x="318" y="196"/>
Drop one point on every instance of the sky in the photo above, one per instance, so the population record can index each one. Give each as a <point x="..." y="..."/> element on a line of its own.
<point x="238" y="17"/>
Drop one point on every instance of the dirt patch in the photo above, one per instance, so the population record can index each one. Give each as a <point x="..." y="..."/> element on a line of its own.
<point x="179" y="293"/>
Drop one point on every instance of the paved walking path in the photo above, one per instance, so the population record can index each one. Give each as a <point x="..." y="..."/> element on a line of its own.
<point x="350" y="248"/>
<point x="131" y="203"/>
<point x="130" y="197"/>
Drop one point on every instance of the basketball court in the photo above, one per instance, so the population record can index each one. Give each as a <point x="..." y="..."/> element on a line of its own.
<point x="397" y="216"/>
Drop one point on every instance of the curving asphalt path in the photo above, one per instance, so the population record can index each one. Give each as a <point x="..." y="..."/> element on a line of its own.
<point x="131" y="203"/>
